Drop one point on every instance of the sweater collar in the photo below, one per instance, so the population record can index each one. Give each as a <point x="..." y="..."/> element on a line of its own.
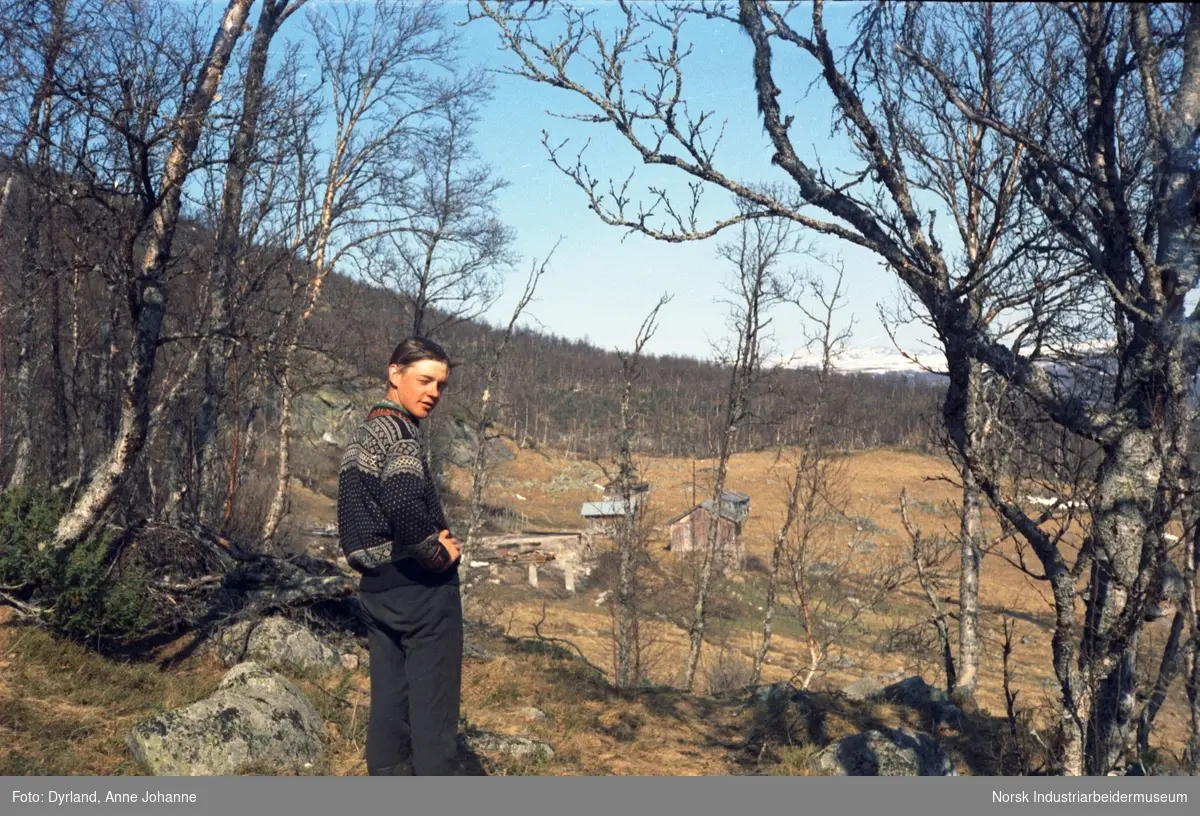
<point x="388" y="405"/>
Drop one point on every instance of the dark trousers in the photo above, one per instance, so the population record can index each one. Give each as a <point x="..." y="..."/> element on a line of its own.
<point x="415" y="637"/>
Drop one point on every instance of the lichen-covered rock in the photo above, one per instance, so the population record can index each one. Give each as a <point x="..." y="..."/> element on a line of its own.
<point x="276" y="640"/>
<point x="512" y="746"/>
<point x="254" y="718"/>
<point x="883" y="752"/>
<point x="464" y="444"/>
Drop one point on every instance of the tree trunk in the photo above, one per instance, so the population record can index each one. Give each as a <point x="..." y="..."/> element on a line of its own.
<point x="760" y="656"/>
<point x="1192" y="657"/>
<point x="971" y="534"/>
<point x="1128" y="480"/>
<point x="708" y="557"/>
<point x="60" y="448"/>
<point x="279" y="501"/>
<point x="219" y="350"/>
<point x="150" y="301"/>
<point x="22" y="391"/>
<point x="961" y="413"/>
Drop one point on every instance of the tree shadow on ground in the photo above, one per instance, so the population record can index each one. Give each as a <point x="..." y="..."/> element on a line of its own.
<point x="978" y="742"/>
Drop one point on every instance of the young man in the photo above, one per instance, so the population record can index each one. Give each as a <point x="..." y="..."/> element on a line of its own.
<point x="394" y="532"/>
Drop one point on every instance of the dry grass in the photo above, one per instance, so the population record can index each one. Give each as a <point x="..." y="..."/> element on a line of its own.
<point x="874" y="480"/>
<point x="65" y="710"/>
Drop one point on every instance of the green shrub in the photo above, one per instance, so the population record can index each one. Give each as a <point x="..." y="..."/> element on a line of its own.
<point x="92" y="597"/>
<point x="27" y="516"/>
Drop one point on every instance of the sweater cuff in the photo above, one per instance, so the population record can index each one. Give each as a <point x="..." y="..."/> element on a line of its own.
<point x="432" y="554"/>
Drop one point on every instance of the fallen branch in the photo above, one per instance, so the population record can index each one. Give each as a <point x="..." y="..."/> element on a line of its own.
<point x="190" y="586"/>
<point x="23" y="609"/>
<point x="537" y="630"/>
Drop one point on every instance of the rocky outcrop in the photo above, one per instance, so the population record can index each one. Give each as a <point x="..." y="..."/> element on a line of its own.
<point x="464" y="442"/>
<point x="910" y="692"/>
<point x="256" y="718"/>
<point x="883" y="752"/>
<point x="276" y="640"/>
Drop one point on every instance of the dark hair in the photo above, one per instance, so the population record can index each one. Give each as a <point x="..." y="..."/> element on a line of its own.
<point x="414" y="349"/>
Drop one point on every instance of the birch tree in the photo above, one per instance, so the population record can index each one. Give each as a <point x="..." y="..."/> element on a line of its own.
<point x="631" y="533"/>
<point x="148" y="292"/>
<point x="759" y="285"/>
<point x="809" y="487"/>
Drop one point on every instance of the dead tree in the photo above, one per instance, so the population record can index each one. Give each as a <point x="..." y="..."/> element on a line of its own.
<point x="808" y="487"/>
<point x="485" y="433"/>
<point x="630" y="535"/>
<point x="759" y="286"/>
<point x="928" y="560"/>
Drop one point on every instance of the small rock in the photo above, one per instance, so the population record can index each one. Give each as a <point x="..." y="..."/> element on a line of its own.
<point x="513" y="746"/>
<point x="602" y="597"/>
<point x="532" y="713"/>
<point x="915" y="693"/>
<point x="473" y="651"/>
<point x="841" y="662"/>
<point x="350" y="662"/>
<point x="774" y="694"/>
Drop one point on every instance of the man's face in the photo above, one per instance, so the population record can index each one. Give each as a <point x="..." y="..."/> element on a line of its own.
<point x="418" y="387"/>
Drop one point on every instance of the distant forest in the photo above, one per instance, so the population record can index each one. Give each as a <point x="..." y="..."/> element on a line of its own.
<point x="561" y="393"/>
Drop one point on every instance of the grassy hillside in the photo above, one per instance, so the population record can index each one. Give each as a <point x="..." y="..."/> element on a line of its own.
<point x="64" y="709"/>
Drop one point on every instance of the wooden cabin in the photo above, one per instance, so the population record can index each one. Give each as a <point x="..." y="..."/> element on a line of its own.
<point x="689" y="529"/>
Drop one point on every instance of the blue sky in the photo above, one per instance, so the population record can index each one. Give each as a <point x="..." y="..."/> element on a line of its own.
<point x="603" y="281"/>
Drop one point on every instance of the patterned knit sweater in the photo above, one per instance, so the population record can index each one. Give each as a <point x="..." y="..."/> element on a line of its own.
<point x="388" y="511"/>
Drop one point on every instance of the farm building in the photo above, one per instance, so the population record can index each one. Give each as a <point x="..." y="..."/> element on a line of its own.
<point x="601" y="517"/>
<point x="689" y="529"/>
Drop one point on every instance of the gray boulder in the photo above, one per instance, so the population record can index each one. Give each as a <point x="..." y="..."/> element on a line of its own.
<point x="255" y="717"/>
<point x="883" y="752"/>
<point x="864" y="688"/>
<point x="276" y="640"/>
<point x="918" y="695"/>
<point x="776" y="694"/>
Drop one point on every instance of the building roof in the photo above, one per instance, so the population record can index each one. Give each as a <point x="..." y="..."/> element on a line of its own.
<point x="603" y="509"/>
<point x="733" y="507"/>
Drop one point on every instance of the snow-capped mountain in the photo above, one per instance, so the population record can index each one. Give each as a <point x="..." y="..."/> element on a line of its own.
<point x="869" y="360"/>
